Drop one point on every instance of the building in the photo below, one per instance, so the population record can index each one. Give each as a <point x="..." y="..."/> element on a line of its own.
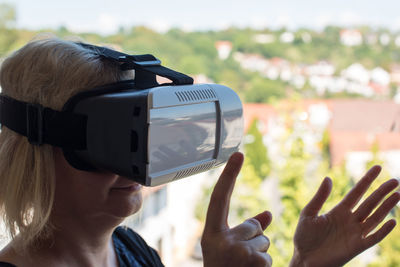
<point x="224" y="49"/>
<point x="167" y="221"/>
<point x="287" y="37"/>
<point x="395" y="74"/>
<point x="397" y="41"/>
<point x="351" y="37"/>
<point x="357" y="73"/>
<point x="359" y="124"/>
<point x="264" y="38"/>
<point x="354" y="126"/>
<point x="321" y="68"/>
<point x="384" y="39"/>
<point x="380" y="76"/>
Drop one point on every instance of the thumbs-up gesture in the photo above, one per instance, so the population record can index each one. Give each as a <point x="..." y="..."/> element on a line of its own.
<point x="243" y="245"/>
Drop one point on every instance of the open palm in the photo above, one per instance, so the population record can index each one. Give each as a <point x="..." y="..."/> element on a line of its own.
<point x="334" y="238"/>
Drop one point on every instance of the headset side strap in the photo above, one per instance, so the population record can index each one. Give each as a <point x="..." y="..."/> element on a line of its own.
<point x="43" y="125"/>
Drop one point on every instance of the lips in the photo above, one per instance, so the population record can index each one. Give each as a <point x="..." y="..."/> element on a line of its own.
<point x="127" y="187"/>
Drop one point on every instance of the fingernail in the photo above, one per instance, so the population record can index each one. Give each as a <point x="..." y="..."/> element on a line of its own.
<point x="237" y="156"/>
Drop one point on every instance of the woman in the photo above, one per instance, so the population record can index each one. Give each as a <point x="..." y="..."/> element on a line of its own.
<point x="57" y="215"/>
<point x="61" y="216"/>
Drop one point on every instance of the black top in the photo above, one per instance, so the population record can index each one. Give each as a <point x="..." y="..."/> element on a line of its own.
<point x="131" y="250"/>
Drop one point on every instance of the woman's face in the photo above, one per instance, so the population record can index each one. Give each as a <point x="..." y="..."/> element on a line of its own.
<point x="97" y="195"/>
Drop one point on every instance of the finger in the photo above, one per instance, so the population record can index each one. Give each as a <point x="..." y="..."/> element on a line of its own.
<point x="379" y="235"/>
<point x="355" y="194"/>
<point x="247" y="230"/>
<point x="259" y="243"/>
<point x="260" y="259"/>
<point x="374" y="199"/>
<point x="264" y="218"/>
<point x="316" y="203"/>
<point x="380" y="214"/>
<point x="269" y="259"/>
<point x="218" y="208"/>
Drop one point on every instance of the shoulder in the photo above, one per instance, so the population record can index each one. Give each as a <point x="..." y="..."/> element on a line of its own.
<point x="126" y="239"/>
<point x="130" y="238"/>
<point x="7" y="255"/>
<point x="124" y="230"/>
<point x="127" y="234"/>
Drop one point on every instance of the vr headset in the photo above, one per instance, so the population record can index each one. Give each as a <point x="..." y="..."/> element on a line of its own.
<point x="151" y="133"/>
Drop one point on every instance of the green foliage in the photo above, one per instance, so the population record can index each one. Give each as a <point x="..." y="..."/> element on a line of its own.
<point x="8" y="35"/>
<point x="263" y="90"/>
<point x="247" y="199"/>
<point x="376" y="160"/>
<point x="325" y="146"/>
<point x="195" y="52"/>
<point x="388" y="249"/>
<point x="8" y="16"/>
<point x="256" y="152"/>
<point x="341" y="183"/>
<point x="294" y="194"/>
<point x="200" y="210"/>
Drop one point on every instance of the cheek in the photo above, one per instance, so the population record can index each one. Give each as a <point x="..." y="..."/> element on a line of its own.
<point x="83" y="193"/>
<point x="80" y="194"/>
<point x="77" y="189"/>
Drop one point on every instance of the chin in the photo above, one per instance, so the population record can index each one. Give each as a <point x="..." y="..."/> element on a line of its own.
<point x="126" y="206"/>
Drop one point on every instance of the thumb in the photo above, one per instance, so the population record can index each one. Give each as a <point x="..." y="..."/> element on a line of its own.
<point x="316" y="203"/>
<point x="264" y="218"/>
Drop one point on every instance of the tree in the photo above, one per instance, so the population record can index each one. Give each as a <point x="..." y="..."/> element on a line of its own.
<point x="293" y="194"/>
<point x="8" y="16"/>
<point x="248" y="199"/>
<point x="263" y="90"/>
<point x="8" y="34"/>
<point x="256" y="151"/>
<point x="388" y="249"/>
<point x="376" y="160"/>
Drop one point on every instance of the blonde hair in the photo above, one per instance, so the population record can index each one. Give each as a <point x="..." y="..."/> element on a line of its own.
<point x="46" y="71"/>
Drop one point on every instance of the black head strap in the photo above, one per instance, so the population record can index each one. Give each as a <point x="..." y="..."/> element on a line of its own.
<point x="66" y="129"/>
<point x="146" y="67"/>
<point x="43" y="125"/>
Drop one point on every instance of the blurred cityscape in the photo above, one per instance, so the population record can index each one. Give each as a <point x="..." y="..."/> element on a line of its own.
<point x="316" y="103"/>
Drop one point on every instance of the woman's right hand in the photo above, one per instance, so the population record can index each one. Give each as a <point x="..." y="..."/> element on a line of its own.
<point x="244" y="245"/>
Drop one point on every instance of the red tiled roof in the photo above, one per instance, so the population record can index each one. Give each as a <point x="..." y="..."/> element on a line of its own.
<point x="344" y="142"/>
<point x="223" y="43"/>
<point x="350" y="32"/>
<point x="262" y="112"/>
<point x="356" y="124"/>
<point x="363" y="115"/>
<point x="379" y="89"/>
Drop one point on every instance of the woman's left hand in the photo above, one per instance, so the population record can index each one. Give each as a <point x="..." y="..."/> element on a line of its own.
<point x="244" y="245"/>
<point x="334" y="238"/>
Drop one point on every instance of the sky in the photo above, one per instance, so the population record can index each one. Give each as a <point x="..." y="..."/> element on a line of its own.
<point x="105" y="16"/>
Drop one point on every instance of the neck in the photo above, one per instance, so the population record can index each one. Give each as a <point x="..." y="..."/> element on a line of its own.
<point x="83" y="242"/>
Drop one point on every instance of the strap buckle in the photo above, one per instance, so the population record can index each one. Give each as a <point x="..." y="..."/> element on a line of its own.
<point x="34" y="123"/>
<point x="131" y="61"/>
<point x="156" y="62"/>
